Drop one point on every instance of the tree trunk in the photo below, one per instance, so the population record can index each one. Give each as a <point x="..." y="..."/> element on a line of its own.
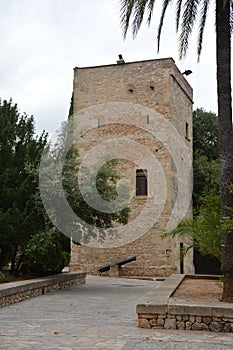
<point x="225" y="138"/>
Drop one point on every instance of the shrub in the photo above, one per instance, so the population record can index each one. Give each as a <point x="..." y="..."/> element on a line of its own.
<point x="44" y="254"/>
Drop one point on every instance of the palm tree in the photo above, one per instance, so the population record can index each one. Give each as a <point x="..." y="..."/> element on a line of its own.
<point x="186" y="15"/>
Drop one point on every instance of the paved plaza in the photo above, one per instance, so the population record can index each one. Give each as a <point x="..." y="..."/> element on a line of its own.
<point x="99" y="315"/>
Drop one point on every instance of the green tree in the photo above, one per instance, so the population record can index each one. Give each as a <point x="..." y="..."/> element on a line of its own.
<point x="205" y="178"/>
<point x="204" y="231"/>
<point x="19" y="218"/>
<point x="58" y="157"/>
<point x="206" y="167"/>
<point x="44" y="253"/>
<point x="205" y="134"/>
<point x="186" y="15"/>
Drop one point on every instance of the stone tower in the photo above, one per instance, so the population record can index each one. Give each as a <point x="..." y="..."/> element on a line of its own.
<point x="141" y="113"/>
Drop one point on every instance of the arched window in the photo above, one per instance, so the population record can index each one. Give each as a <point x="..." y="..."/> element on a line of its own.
<point x="141" y="182"/>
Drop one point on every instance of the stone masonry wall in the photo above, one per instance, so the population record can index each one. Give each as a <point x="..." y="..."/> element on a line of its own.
<point x="169" y="307"/>
<point x="14" y="292"/>
<point x="159" y="86"/>
<point x="186" y="322"/>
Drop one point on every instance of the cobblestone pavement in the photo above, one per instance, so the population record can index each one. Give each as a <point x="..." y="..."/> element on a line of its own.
<point x="99" y="315"/>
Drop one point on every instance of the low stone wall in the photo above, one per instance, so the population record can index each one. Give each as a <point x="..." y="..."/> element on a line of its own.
<point x="186" y="322"/>
<point x="160" y="311"/>
<point x="15" y="292"/>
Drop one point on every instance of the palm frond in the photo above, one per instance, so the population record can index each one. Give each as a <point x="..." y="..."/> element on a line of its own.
<point x="184" y="251"/>
<point x="185" y="228"/>
<point x="150" y="8"/>
<point x="203" y="16"/>
<point x="125" y="14"/>
<point x="165" y="5"/>
<point x="204" y="231"/>
<point x="188" y="19"/>
<point x="178" y="12"/>
<point x="231" y="15"/>
<point x="139" y="10"/>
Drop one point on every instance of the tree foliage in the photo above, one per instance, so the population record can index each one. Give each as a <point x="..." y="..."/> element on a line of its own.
<point x="205" y="134"/>
<point x="186" y="14"/>
<point x="29" y="240"/>
<point x="45" y="254"/>
<point x="19" y="218"/>
<point x="204" y="231"/>
<point x="58" y="157"/>
<point x="206" y="166"/>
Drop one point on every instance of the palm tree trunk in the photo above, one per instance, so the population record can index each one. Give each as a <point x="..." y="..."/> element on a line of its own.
<point x="225" y="138"/>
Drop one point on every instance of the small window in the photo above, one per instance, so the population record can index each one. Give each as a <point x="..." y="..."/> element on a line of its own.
<point x="152" y="85"/>
<point x="187" y="131"/>
<point x="130" y="88"/>
<point x="141" y="182"/>
<point x="98" y="123"/>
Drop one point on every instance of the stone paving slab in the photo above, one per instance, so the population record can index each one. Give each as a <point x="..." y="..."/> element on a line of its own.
<point x="99" y="315"/>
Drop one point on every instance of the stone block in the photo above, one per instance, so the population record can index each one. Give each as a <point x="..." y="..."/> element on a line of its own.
<point x="163" y="316"/>
<point x="185" y="308"/>
<point x="200" y="327"/>
<point x="170" y="323"/>
<point x="222" y="311"/>
<point x="215" y="327"/>
<point x="160" y="322"/>
<point x="227" y="328"/>
<point x="179" y="317"/>
<point x="143" y="323"/>
<point x="114" y="271"/>
<point x="216" y="319"/>
<point x="151" y="308"/>
<point x="188" y="326"/>
<point x="198" y="319"/>
<point x="147" y="316"/>
<point x="180" y="325"/>
<point x="185" y="318"/>
<point x="153" y="322"/>
<point x="207" y="320"/>
<point x="191" y="318"/>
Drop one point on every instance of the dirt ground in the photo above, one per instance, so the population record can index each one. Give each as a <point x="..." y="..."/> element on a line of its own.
<point x="199" y="290"/>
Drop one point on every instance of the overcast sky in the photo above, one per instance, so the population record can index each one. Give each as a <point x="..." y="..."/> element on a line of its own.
<point x="43" y="40"/>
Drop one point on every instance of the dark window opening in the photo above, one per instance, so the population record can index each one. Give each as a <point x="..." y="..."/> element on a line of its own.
<point x="187" y="131"/>
<point x="152" y="85"/>
<point x="141" y="182"/>
<point x="130" y="88"/>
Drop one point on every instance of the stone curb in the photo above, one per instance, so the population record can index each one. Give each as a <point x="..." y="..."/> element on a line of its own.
<point x="158" y="301"/>
<point x="14" y="292"/>
<point x="160" y="310"/>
